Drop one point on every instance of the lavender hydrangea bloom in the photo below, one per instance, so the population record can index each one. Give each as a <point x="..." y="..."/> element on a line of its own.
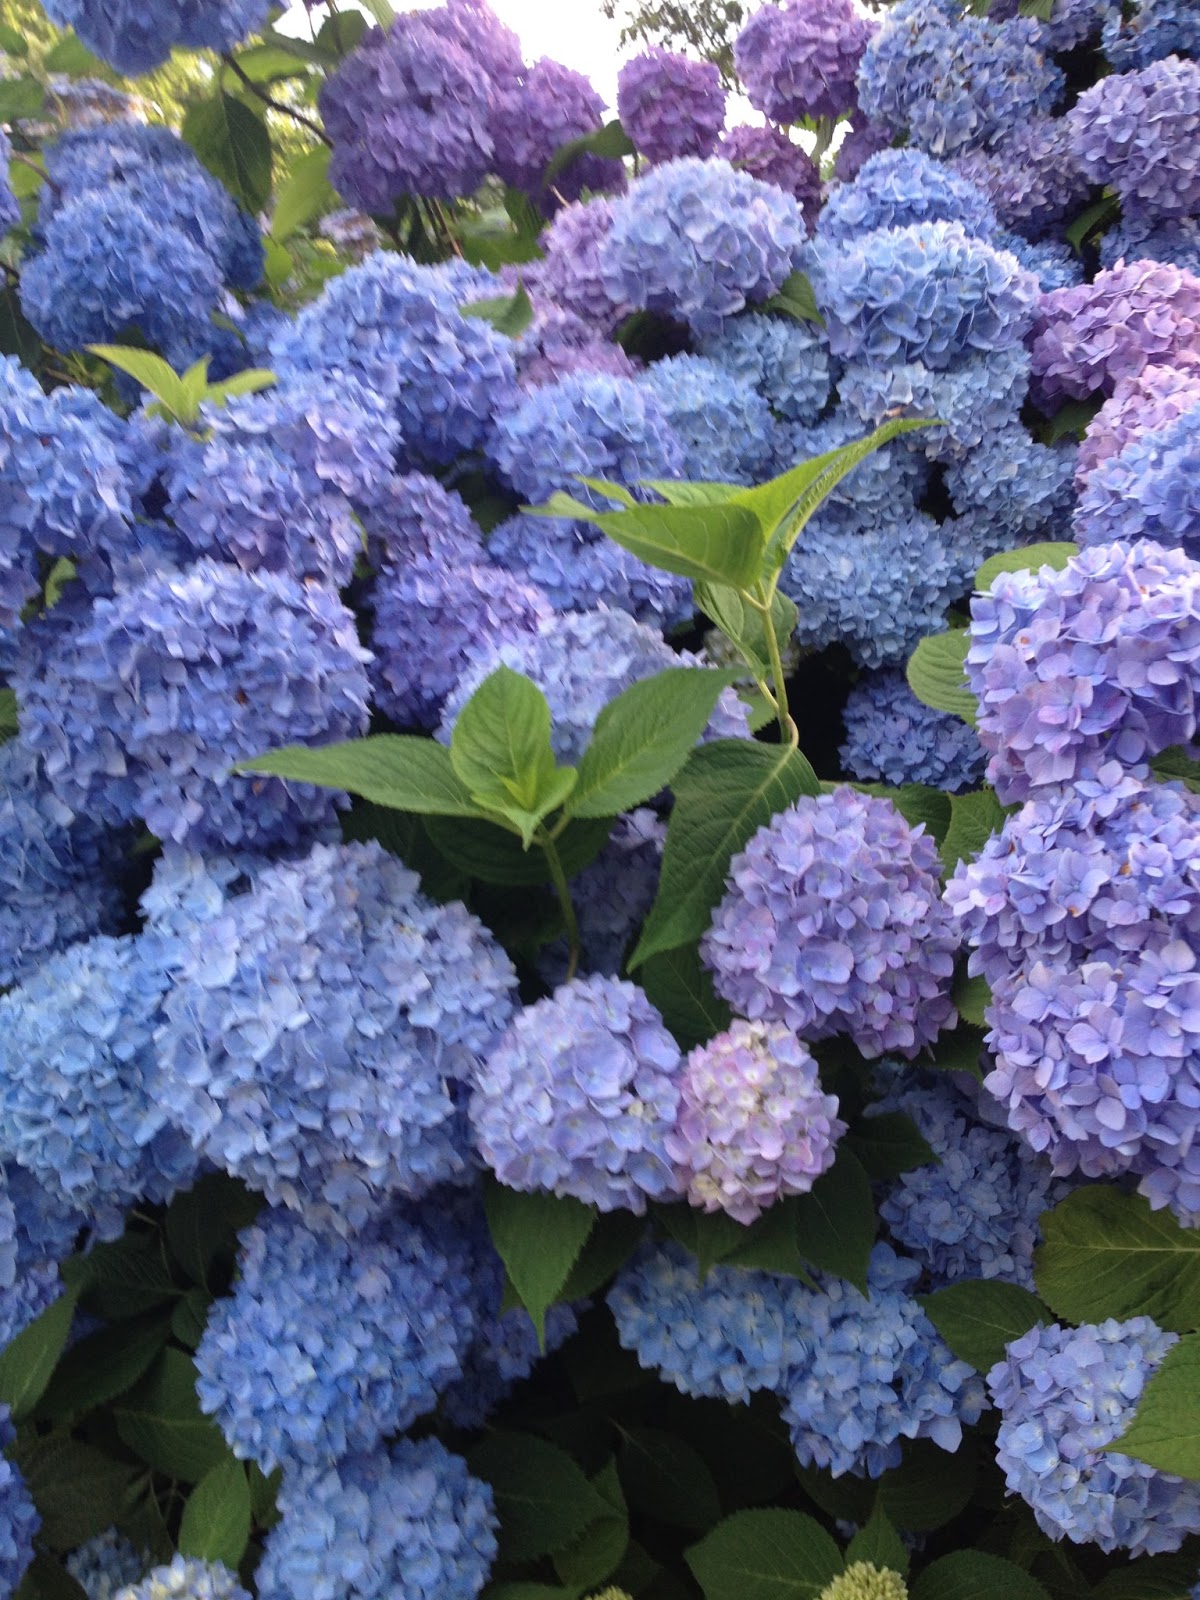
<point x="579" y="1096"/>
<point x="372" y="1009"/>
<point x="863" y="140"/>
<point x="19" y="1520"/>
<point x="407" y="113"/>
<point x="558" y="344"/>
<point x="800" y="59"/>
<point x="142" y="709"/>
<point x="788" y="362"/>
<point x="1139" y="132"/>
<point x="1064" y="1394"/>
<point x="551" y="106"/>
<point x="134" y="38"/>
<point x="1091" y="661"/>
<point x="754" y="1124"/>
<point x="1025" y="488"/>
<point x="873" y="1371"/>
<point x="431" y="621"/>
<point x="1155" y="29"/>
<point x="1030" y="176"/>
<point x="955" y="82"/>
<point x="892" y="737"/>
<point x="78" y="1104"/>
<point x="186" y="1579"/>
<point x="416" y="519"/>
<point x="1148" y="491"/>
<point x="771" y="156"/>
<point x="699" y="241"/>
<point x="10" y="211"/>
<point x="1137" y="406"/>
<point x="832" y="922"/>
<point x="406" y="1520"/>
<point x="571" y="271"/>
<point x="329" y="1345"/>
<point x="899" y="188"/>
<point x="670" y="105"/>
<point x="723" y="424"/>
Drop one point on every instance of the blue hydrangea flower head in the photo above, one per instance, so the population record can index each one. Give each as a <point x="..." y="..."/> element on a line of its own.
<point x="1137" y="406"/>
<point x="135" y="38"/>
<point x="1176" y="241"/>
<point x="19" y="1520"/>
<point x="1095" y="660"/>
<point x="1148" y="491"/>
<point x="407" y="1520"/>
<point x="579" y="1096"/>
<point x="772" y="156"/>
<point x="533" y="119"/>
<point x="832" y="922"/>
<point x="699" y="241"/>
<point x="800" y="59"/>
<point x="1139" y="133"/>
<point x="1031" y="176"/>
<point x="571" y="271"/>
<point x="892" y="737"/>
<point x="1063" y="1395"/>
<point x="415" y="519"/>
<point x="327" y="1345"/>
<point x="323" y="1028"/>
<point x="106" y="1563"/>
<point x="142" y="709"/>
<point x="754" y="1124"/>
<point x="38" y="1229"/>
<point x="788" y="362"/>
<point x="724" y="425"/>
<point x="671" y="105"/>
<point x="1150" y="31"/>
<point x="78" y="1102"/>
<point x="611" y="896"/>
<point x="1054" y="265"/>
<point x="186" y="1579"/>
<point x="431" y="621"/>
<point x="898" y="188"/>
<point x="1026" y="489"/>
<point x="972" y="398"/>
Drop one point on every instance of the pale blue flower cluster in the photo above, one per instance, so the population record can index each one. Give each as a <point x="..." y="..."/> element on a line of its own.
<point x="722" y="422"/>
<point x="1030" y="176"/>
<point x="185" y="1578"/>
<point x="892" y="737"/>
<point x="788" y="362"/>
<point x="1155" y="29"/>
<point x="104" y="1564"/>
<point x="19" y="1520"/>
<point x="1026" y="490"/>
<point x="1177" y="240"/>
<point x="900" y="188"/>
<point x="415" y="518"/>
<point x="133" y="37"/>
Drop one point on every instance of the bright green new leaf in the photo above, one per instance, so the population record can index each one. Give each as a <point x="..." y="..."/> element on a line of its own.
<point x="693" y="494"/>
<point x="152" y="372"/>
<point x="500" y="751"/>
<point x="1165" y="1431"/>
<point x="305" y="194"/>
<point x="708" y="543"/>
<point x="979" y="1316"/>
<point x="392" y="769"/>
<point x="1030" y="558"/>
<point x="796" y="299"/>
<point x="20" y="97"/>
<point x="216" y="1519"/>
<point x="765" y="1555"/>
<point x="509" y="313"/>
<point x="937" y="675"/>
<point x="250" y="381"/>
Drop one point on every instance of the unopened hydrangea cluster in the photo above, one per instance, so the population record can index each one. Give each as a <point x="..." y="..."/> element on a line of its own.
<point x="371" y="1026"/>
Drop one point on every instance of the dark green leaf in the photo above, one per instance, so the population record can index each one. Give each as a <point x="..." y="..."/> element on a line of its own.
<point x="28" y="1360"/>
<point x="972" y="1575"/>
<point x="599" y="1549"/>
<point x="972" y="996"/>
<point x="543" y="1498"/>
<point x="392" y="769"/>
<point x="17" y="336"/>
<point x="306" y="194"/>
<point x="47" y="1579"/>
<point x="71" y="55"/>
<point x="610" y="142"/>
<point x="216" y="1518"/>
<point x="726" y="791"/>
<point x="8" y="715"/>
<point x="888" y="1144"/>
<point x="1072" y="419"/>
<point x="509" y="313"/>
<point x="837" y="1221"/>
<point x="930" y="1488"/>
<point x="1152" y="1578"/>
<point x="879" y="1543"/>
<point x="78" y="1490"/>
<point x="20" y="97"/>
<point x="122" y="1279"/>
<point x="1107" y="1254"/>
<point x="796" y="299"/>
<point x="538" y="1237"/>
<point x="103" y="1366"/>
<point x="485" y="851"/>
<point x="960" y="1050"/>
<point x="710" y="1236"/>
<point x="978" y="1317"/>
<point x="772" y="1243"/>
<point x="268" y="63"/>
<point x="974" y="818"/>
<point x="161" y="1421"/>
<point x="665" y="1478"/>
<point x="1030" y="558"/>
<point x="1092" y="220"/>
<point x="1176" y="764"/>
<point x="677" y="982"/>
<point x="937" y="677"/>
<point x="765" y="1555"/>
<point x="1164" y="1430"/>
<point x="337" y="37"/>
<point x="202" y="1224"/>
<point x="611" y="1242"/>
<point x="190" y="1317"/>
<point x="234" y="145"/>
<point x="530" y="1591"/>
<point x="12" y="41"/>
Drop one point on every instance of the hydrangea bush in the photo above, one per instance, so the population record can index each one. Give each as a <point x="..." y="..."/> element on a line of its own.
<point x="600" y="806"/>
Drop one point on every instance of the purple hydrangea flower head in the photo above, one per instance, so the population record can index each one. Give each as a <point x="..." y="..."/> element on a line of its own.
<point x="788" y="362"/>
<point x="898" y="188"/>
<point x="1055" y="266"/>
<point x="328" y="1344"/>
<point x="832" y="922"/>
<point x="800" y="59"/>
<point x="531" y="121"/>
<point x="398" y="329"/>
<point x="407" y="113"/>
<point x="955" y="82"/>
<point x="699" y="241"/>
<point x="10" y="210"/>
<point x="342" y="1089"/>
<point x="863" y="140"/>
<point x="724" y="425"/>
<point x="431" y="621"/>
<point x="558" y="344"/>
<point x="891" y="737"/>
<point x="1031" y="176"/>
<point x="580" y="661"/>
<point x="1095" y="660"/>
<point x="416" y="519"/>
<point x="579" y="1096"/>
<point x="589" y="423"/>
<point x="1070" y="23"/>
<point x="973" y="398"/>
<point x="571" y="272"/>
<point x="1064" y="1394"/>
<point x="493" y="47"/>
<point x="670" y="105"/>
<point x="1086" y="339"/>
<point x="106" y="1563"/>
<point x="772" y="156"/>
<point x="135" y="38"/>
<point x="754" y="1124"/>
<point x="1139" y="132"/>
<point x="78" y="1106"/>
<point x="408" y="1520"/>
<point x="19" y="1520"/>
<point x="185" y="1578"/>
<point x="1150" y="31"/>
<point x="1137" y="406"/>
<point x="1025" y="488"/>
<point x="143" y="708"/>
<point x="873" y="1371"/>
<point x="611" y="896"/>
<point x="1148" y="491"/>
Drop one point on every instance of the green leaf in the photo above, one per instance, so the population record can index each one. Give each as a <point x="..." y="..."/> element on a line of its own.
<point x="1041" y="9"/>
<point x="879" y="1543"/>
<point x="234" y="145"/>
<point x="202" y="1224"/>
<point x="796" y="299"/>
<point x="1107" y="1254"/>
<point x="392" y="769"/>
<point x="13" y="42"/>
<point x="538" y="1237"/>
<point x="488" y="852"/>
<point x="710" y="1236"/>
<point x="1152" y="1578"/>
<point x="744" y="626"/>
<point x="612" y="1241"/>
<point x="543" y="1499"/>
<point x="152" y="372"/>
<point x="837" y="1221"/>
<point x="268" y="63"/>
<point x="47" y="1579"/>
<point x="677" y="982"/>
<point x="765" y="1555"/>
<point x="71" y="55"/>
<point x="959" y="1049"/>
<point x="161" y="1421"/>
<point x="501" y="752"/>
<point x="973" y="1575"/>
<point x="610" y="142"/>
<point x="974" y="818"/>
<point x="724" y="793"/>
<point x="887" y="1145"/>
<point x="530" y="1591"/>
<point x="667" y="1479"/>
<point x="103" y="1366"/>
<point x="1072" y="420"/>
<point x="972" y="996"/>
<point x="1092" y="220"/>
<point x="1164" y="1431"/>
<point x="509" y="313"/>
<point x="693" y="494"/>
<point x="1030" y="558"/>
<point x="930" y="1487"/>
<point x="918" y="803"/>
<point x="249" y="381"/>
<point x="20" y="97"/>
<point x="708" y="543"/>
<point x="190" y="1317"/>
<point x="643" y="737"/>
<point x="1175" y="763"/>
<point x="979" y="1316"/>
<point x="772" y="1243"/>
<point x="8" y="714"/>
<point x="937" y="677"/>
<point x="27" y="1362"/>
<point x="78" y="1490"/>
<point x="123" y="1279"/>
<point x="600" y="1549"/>
<point x="216" y="1519"/>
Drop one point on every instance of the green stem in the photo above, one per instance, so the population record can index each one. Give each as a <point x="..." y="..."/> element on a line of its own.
<point x="825" y="130"/>
<point x="562" y="889"/>
<point x="789" y="733"/>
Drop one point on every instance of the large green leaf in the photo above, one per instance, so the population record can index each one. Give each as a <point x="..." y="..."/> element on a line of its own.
<point x="667" y="1479"/>
<point x="937" y="677"/>
<point x="1150" y="1578"/>
<point x="103" y="1366"/>
<point x="152" y="372"/>
<point x="539" y="1237"/>
<point x="203" y="1222"/>
<point x="680" y="986"/>
<point x="765" y="1555"/>
<point x="837" y="1221"/>
<point x="234" y="145"/>
<point x="543" y="1498"/>
<point x="161" y="1422"/>
<point x="1029" y="558"/>
<point x="595" y="1554"/>
<point x="216" y="1518"/>
<point x="796" y="299"/>
<point x="726" y="791"/>
<point x="879" y="1543"/>
<point x="975" y="1575"/>
<point x="1165" y="1431"/>
<point x="490" y="853"/>
<point x="20" y="97"/>
<point x="1107" y="1254"/>
<point x="306" y="194"/>
<point x="27" y="1361"/>
<point x="392" y="769"/>
<point x="708" y="543"/>
<point x="745" y="626"/>
<point x="78" y="1489"/>
<point x="978" y="1317"/>
<point x="501" y="753"/>
<point x="974" y="818"/>
<point x="888" y="1144"/>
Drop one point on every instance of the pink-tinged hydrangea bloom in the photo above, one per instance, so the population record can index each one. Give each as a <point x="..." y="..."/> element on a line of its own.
<point x="769" y="155"/>
<point x="1139" y="132"/>
<point x="670" y="105"/>
<point x="1138" y="405"/>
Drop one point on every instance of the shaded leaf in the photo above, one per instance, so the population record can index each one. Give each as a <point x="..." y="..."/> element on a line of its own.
<point x="677" y="982"/>
<point x="234" y="145"/>
<point x="216" y="1519"/>
<point x="937" y="677"/>
<point x="974" y="1575"/>
<point x="543" y="1498"/>
<point x="161" y="1421"/>
<point x="879" y="1543"/>
<point x="837" y="1221"/>
<point x="888" y="1144"/>
<point x="1164" y="1431"/>
<point x="665" y="1478"/>
<point x="765" y="1555"/>
<point x="979" y="1316"/>
<point x="538" y="1237"/>
<point x="27" y="1361"/>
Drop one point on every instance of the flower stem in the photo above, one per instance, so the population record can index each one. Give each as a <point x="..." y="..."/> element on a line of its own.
<point x="563" y="891"/>
<point x="789" y="733"/>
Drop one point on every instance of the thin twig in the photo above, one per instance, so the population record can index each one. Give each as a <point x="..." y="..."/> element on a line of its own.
<point x="276" y="105"/>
